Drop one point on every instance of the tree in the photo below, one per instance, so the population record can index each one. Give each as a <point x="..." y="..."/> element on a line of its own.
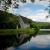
<point x="5" y="4"/>
<point x="8" y="20"/>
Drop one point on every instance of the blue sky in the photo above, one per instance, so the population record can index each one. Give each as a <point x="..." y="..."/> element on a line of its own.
<point x="35" y="11"/>
<point x="30" y="7"/>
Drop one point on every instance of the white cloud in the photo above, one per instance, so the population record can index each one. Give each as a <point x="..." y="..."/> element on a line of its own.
<point x="43" y="2"/>
<point x="37" y="1"/>
<point x="40" y="16"/>
<point x="26" y="11"/>
<point x="12" y="10"/>
<point x="48" y="20"/>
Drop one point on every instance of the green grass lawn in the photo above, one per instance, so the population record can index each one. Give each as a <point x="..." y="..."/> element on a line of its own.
<point x="17" y="31"/>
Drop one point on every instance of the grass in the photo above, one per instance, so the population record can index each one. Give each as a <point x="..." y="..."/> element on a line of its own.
<point x="43" y="32"/>
<point x="7" y="31"/>
<point x="17" y="31"/>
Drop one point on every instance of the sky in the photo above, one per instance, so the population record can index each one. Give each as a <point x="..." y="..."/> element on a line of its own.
<point x="34" y="11"/>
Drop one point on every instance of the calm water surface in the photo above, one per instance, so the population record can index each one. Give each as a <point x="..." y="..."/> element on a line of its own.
<point x="40" y="42"/>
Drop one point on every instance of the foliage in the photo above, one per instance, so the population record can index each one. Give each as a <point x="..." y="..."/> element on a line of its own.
<point x="26" y="31"/>
<point x="42" y="24"/>
<point x="6" y="4"/>
<point x="7" y="17"/>
<point x="8" y="20"/>
<point x="17" y="31"/>
<point x="32" y="25"/>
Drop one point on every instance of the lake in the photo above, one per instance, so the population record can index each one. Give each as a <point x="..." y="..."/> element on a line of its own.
<point x="40" y="42"/>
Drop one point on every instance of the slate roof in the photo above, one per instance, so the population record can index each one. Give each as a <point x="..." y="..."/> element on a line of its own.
<point x="25" y="20"/>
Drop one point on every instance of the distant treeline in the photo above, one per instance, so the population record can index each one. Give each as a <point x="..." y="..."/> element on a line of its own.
<point x="45" y="27"/>
<point x="42" y="25"/>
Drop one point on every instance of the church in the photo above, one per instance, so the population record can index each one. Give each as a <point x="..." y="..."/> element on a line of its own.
<point x="23" y="22"/>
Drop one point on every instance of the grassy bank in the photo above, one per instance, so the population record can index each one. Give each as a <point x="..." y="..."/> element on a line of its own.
<point x="43" y="32"/>
<point x="17" y="31"/>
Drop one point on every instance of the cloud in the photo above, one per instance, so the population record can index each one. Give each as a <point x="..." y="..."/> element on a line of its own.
<point x="40" y="16"/>
<point x="32" y="11"/>
<point x="42" y="2"/>
<point x="26" y="12"/>
<point x="12" y="10"/>
<point x="48" y="20"/>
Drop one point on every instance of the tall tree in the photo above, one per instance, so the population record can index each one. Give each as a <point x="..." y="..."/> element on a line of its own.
<point x="5" y="4"/>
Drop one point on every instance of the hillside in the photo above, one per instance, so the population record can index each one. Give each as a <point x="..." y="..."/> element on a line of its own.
<point x="7" y="17"/>
<point x="7" y="20"/>
<point x="10" y="21"/>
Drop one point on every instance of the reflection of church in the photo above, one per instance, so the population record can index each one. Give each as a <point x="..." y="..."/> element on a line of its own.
<point x="13" y="40"/>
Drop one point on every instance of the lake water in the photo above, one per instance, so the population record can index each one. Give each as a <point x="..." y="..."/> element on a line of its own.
<point x="40" y="42"/>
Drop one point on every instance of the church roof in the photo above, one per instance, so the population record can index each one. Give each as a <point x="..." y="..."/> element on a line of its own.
<point x="25" y="20"/>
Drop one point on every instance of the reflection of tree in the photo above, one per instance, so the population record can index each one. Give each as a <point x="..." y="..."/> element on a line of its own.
<point x="13" y="40"/>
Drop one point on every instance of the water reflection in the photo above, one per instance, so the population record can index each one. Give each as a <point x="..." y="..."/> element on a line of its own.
<point x="13" y="40"/>
<point x="11" y="48"/>
<point x="40" y="42"/>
